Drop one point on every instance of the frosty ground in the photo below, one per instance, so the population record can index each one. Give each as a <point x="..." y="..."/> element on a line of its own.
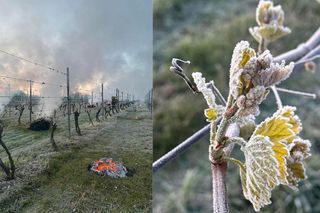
<point x="49" y="181"/>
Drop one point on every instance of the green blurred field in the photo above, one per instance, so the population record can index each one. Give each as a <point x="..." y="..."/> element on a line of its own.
<point x="205" y="32"/>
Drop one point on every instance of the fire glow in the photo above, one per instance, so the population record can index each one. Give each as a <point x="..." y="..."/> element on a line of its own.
<point x="109" y="167"/>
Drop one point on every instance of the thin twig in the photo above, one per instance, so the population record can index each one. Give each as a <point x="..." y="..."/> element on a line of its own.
<point x="294" y="92"/>
<point x="311" y="56"/>
<point x="307" y="60"/>
<point x="277" y="97"/>
<point x="177" y="69"/>
<point x="218" y="94"/>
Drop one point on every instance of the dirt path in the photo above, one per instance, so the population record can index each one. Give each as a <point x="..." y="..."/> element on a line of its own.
<point x="65" y="185"/>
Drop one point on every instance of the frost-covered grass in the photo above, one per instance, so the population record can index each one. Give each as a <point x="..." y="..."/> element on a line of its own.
<point x="50" y="181"/>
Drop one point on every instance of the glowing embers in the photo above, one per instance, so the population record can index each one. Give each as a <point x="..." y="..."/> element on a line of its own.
<point x="109" y="167"/>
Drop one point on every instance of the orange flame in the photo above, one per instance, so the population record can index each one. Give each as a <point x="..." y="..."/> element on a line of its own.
<point x="109" y="165"/>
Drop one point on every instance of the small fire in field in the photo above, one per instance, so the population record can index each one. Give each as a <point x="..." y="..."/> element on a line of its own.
<point x="109" y="167"/>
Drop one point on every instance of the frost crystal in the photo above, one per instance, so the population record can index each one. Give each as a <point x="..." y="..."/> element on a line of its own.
<point x="203" y="88"/>
<point x="261" y="173"/>
<point x="251" y="76"/>
<point x="246" y="120"/>
<point x="272" y="74"/>
<point x="270" y="20"/>
<point x="241" y="55"/>
<point x="247" y="126"/>
<point x="249" y="103"/>
<point x="298" y="153"/>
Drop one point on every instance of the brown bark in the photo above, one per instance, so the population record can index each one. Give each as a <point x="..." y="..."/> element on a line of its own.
<point x="89" y="116"/>
<point x="107" y="111"/>
<point x="12" y="169"/>
<point x="20" y="109"/>
<point x="53" y="129"/>
<point x="73" y="107"/>
<point x="5" y="168"/>
<point x="76" y="121"/>
<point x="219" y="189"/>
<point x="97" y="115"/>
<point x="64" y="110"/>
<point x="219" y="171"/>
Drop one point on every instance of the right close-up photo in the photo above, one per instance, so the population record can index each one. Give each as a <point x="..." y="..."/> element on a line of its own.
<point x="236" y="112"/>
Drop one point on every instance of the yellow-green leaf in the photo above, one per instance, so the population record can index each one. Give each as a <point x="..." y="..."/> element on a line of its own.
<point x="211" y="114"/>
<point x="246" y="55"/>
<point x="288" y="113"/>
<point x="262" y="172"/>
<point x="274" y="156"/>
<point x="272" y="33"/>
<point x="282" y="125"/>
<point x="281" y="153"/>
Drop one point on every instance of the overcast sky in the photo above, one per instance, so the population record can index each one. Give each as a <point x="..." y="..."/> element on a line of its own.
<point x="106" y="41"/>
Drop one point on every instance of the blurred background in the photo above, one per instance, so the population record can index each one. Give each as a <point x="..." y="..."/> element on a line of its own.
<point x="205" y="32"/>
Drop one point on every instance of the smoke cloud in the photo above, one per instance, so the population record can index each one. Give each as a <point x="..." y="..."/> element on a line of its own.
<point x="100" y="41"/>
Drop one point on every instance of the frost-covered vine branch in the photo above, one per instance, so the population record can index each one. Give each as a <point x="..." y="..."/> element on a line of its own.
<point x="175" y="152"/>
<point x="299" y="93"/>
<point x="294" y="54"/>
<point x="277" y="97"/>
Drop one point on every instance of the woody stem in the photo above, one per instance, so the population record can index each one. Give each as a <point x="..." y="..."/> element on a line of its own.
<point x="222" y="128"/>
<point x="218" y="167"/>
<point x="218" y="172"/>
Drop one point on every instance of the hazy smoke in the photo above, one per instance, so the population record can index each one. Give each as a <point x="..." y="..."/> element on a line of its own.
<point x="100" y="41"/>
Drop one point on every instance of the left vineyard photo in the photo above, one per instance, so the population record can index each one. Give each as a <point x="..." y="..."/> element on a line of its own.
<point x="76" y="106"/>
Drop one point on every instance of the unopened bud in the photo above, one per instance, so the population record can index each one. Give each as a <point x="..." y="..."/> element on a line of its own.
<point x="310" y="66"/>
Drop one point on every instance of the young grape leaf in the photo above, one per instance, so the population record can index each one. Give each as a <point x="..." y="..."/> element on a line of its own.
<point x="261" y="173"/>
<point x="281" y="128"/>
<point x="274" y="156"/>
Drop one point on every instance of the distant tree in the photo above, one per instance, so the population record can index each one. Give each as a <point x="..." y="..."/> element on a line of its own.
<point x="18" y="98"/>
<point x="20" y="109"/>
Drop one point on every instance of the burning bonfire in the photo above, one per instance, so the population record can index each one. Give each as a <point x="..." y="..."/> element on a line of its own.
<point x="109" y="167"/>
